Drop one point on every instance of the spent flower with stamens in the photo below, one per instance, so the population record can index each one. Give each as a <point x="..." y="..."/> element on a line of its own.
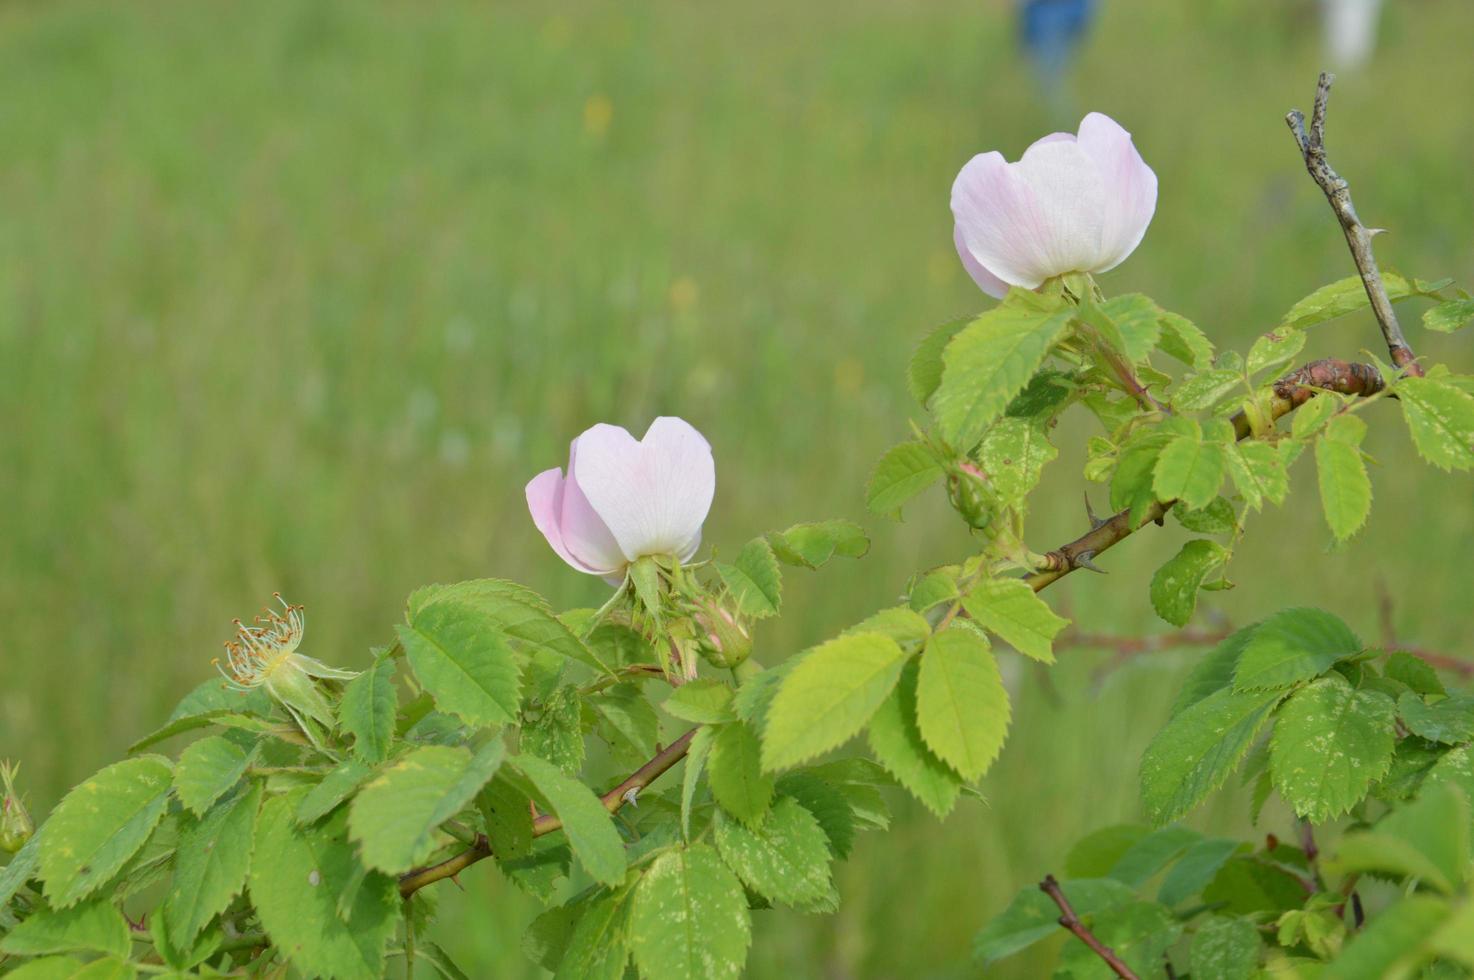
<point x="264" y="654"/>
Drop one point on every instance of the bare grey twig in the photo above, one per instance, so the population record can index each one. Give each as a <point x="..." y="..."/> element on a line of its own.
<point x="1358" y="236"/>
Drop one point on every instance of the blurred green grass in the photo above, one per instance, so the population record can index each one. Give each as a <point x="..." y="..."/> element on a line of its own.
<point x="296" y="296"/>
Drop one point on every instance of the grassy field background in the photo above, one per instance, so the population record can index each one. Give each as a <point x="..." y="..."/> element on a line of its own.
<point x="297" y="296"/>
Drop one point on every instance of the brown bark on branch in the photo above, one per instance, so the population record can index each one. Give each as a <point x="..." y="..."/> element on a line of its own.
<point x="1071" y="921"/>
<point x="1312" y="145"/>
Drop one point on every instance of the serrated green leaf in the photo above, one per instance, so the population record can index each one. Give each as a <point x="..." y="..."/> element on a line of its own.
<point x="1440" y="417"/>
<point x="703" y="702"/>
<point x="210" y="865"/>
<point x="1198" y="748"/>
<point x="1393" y="944"/>
<point x="1450" y="316"/>
<point x="1258" y="472"/>
<point x="67" y="968"/>
<point x="598" y="947"/>
<point x="754" y="579"/>
<point x="1274" y="349"/>
<point x="1189" y="468"/>
<point x="587" y="823"/>
<point x="1033" y="916"/>
<point x="1291" y="646"/>
<point x="696" y="755"/>
<point x="460" y="656"/>
<point x="630" y="716"/>
<point x="522" y="616"/>
<point x="1197" y="867"/>
<point x="784" y="858"/>
<point x="367" y="711"/>
<point x="1311" y="417"/>
<point x="1200" y="392"/>
<point x="902" y="473"/>
<point x="1330" y="744"/>
<point x="99" y="825"/>
<point x="1149" y="855"/>
<point x="1448" y="720"/>
<point x="689" y="920"/>
<point x="811" y="545"/>
<point x="989" y="362"/>
<point x="1012" y="610"/>
<point x="1345" y="488"/>
<point x="1140" y="933"/>
<point x="506" y="813"/>
<point x="735" y="772"/>
<point x="93" y="926"/>
<point x="1215" y="671"/>
<point x="206" y="770"/>
<point x="1182" y="339"/>
<point x="1413" y="671"/>
<point x="828" y="805"/>
<point x="1217" y="518"/>
<point x="1131" y="481"/>
<point x="1013" y="453"/>
<point x="1043" y="397"/>
<point x="829" y="696"/>
<point x="396" y="816"/>
<point x="1175" y="585"/>
<point x="1342" y="297"/>
<point x="298" y="875"/>
<point x="895" y="738"/>
<point x="1093" y="855"/>
<point x="556" y="734"/>
<point x="21" y="869"/>
<point x="924" y="372"/>
<point x="1426" y="839"/>
<point x="1225" y="949"/>
<point x="339" y="784"/>
<point x="961" y="704"/>
<point x="1138" y="320"/>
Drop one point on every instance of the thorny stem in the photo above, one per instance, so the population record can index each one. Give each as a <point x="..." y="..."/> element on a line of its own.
<point x="1358" y="237"/>
<point x="546" y="823"/>
<point x="1071" y="921"/>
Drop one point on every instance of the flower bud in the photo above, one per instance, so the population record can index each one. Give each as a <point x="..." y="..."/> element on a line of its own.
<point x="725" y="642"/>
<point x="966" y="489"/>
<point x="15" y="823"/>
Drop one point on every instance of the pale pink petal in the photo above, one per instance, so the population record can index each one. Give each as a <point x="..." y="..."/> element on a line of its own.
<point x="1071" y="195"/>
<point x="986" y="281"/>
<point x="545" y="502"/>
<point x="653" y="494"/>
<point x="1130" y="189"/>
<point x="585" y="535"/>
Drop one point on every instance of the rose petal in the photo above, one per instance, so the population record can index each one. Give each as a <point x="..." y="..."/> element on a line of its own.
<point x="548" y="499"/>
<point x="986" y="281"/>
<point x="654" y="494"/>
<point x="1130" y="188"/>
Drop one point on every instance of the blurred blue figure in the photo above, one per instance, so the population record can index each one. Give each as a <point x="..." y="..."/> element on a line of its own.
<point x="1051" y="31"/>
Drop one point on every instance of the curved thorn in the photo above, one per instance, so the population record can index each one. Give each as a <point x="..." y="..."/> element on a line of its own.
<point x="1083" y="560"/>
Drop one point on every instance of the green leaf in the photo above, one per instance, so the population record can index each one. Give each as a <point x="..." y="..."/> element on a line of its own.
<point x="1131" y="482"/>
<point x="1330" y="744"/>
<point x="924" y="373"/>
<point x="598" y="948"/>
<point x="1225" y="949"/>
<point x="1345" y="488"/>
<point x="1197" y="750"/>
<point x="696" y="755"/>
<point x="735" y="772"/>
<point x="1215" y="671"/>
<point x="328" y="795"/>
<point x="784" y="858"/>
<point x="210" y="865"/>
<point x="902" y="473"/>
<point x="1449" y="720"/>
<point x="506" y="812"/>
<point x="1140" y="933"/>
<point x="828" y="805"/>
<point x="829" y="696"/>
<point x="895" y="738"/>
<point x="754" y="579"/>
<point x="587" y="823"/>
<point x="1182" y="339"/>
<point x="1033" y="916"/>
<point x="811" y="545"/>
<point x="298" y="876"/>
<point x="556" y="734"/>
<point x="1258" y="472"/>
<point x="1149" y="855"/>
<point x="520" y="614"/>
<point x="1095" y="854"/>
<point x="396" y="816"/>
<point x="1043" y="397"/>
<point x="1427" y="839"/>
<point x="1138" y="320"/>
<point x="1440" y="417"/>
<point x="1311" y="417"/>
<point x="1013" y="453"/>
<point x="631" y="717"/>
<point x="1342" y="297"/>
<point x="1012" y="610"/>
<point x="1274" y="350"/>
<point x="1175" y="585"/>
<point x="1393" y="944"/>
<point x="989" y="362"/>
<point x="704" y="702"/>
<point x="1200" y="392"/>
<point x="1291" y="646"/>
<point x="460" y="656"/>
<point x="99" y="825"/>
<point x="1450" y="316"/>
<point x="961" y="703"/>
<point x="367" y="711"/>
<point x="21" y="869"/>
<point x="906" y="626"/>
<point x="1196" y="869"/>
<point x="1217" y="518"/>
<point x="206" y="770"/>
<point x="1189" y="469"/>
<point x="1413" y="671"/>
<point x="689" y="920"/>
<point x="95" y="925"/>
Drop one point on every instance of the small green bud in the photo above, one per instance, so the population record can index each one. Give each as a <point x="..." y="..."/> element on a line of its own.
<point x="966" y="489"/>
<point x="726" y="642"/>
<point x="15" y="823"/>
